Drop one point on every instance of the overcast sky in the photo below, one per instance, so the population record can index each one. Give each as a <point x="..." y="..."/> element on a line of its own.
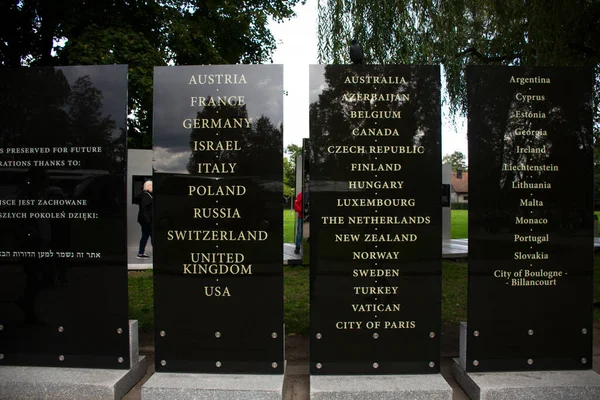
<point x="296" y="50"/>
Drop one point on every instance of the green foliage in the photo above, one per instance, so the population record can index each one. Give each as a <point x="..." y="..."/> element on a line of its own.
<point x="459" y="33"/>
<point x="288" y="194"/>
<point x="455" y="159"/>
<point x="292" y="151"/>
<point x="562" y="33"/>
<point x="116" y="45"/>
<point x="289" y="179"/>
<point x="142" y="34"/>
<point x="225" y="31"/>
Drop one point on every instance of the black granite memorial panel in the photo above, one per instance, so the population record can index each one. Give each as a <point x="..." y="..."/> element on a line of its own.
<point x="530" y="219"/>
<point x="218" y="265"/>
<point x="375" y="210"/>
<point x="63" y="262"/>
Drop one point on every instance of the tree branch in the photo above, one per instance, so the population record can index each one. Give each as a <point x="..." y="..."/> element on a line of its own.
<point x="585" y="50"/>
<point x="487" y="59"/>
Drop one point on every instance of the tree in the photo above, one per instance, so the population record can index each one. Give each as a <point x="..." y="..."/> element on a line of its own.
<point x="293" y="151"/>
<point x="59" y="115"/>
<point x="470" y="32"/>
<point x="459" y="33"/>
<point x="142" y="34"/>
<point x="289" y="179"/>
<point x="455" y="159"/>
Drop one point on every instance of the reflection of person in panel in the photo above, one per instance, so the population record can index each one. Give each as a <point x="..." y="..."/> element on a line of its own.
<point x="145" y="218"/>
<point x="298" y="208"/>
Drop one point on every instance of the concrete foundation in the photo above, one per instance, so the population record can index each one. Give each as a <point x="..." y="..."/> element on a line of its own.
<point x="180" y="386"/>
<point x="528" y="385"/>
<point x="523" y="385"/>
<point x="380" y="387"/>
<point x="73" y="383"/>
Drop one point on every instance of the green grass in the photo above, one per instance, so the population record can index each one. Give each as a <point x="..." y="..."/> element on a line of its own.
<point x="296" y="290"/>
<point x="459" y="226"/>
<point x="296" y="300"/>
<point x="141" y="304"/>
<point x="454" y="291"/>
<point x="289" y="218"/>
<point x="297" y="296"/>
<point x="460" y="223"/>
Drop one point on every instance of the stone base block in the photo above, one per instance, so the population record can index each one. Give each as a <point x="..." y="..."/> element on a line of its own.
<point x="528" y="385"/>
<point x="380" y="387"/>
<point x="180" y="386"/>
<point x="68" y="383"/>
<point x="49" y="383"/>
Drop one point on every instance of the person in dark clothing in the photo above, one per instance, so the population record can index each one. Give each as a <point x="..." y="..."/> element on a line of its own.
<point x="145" y="218"/>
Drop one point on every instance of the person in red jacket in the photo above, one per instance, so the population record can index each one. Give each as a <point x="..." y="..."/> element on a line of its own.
<point x="298" y="206"/>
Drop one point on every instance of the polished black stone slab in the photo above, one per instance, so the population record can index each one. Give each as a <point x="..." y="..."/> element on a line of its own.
<point x="218" y="273"/>
<point x="63" y="262"/>
<point x="375" y="213"/>
<point x="530" y="219"/>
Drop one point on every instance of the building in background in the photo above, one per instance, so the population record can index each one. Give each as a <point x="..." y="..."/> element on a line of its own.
<point x="459" y="189"/>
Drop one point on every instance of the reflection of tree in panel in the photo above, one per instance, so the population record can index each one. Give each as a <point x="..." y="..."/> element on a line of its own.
<point x="425" y="85"/>
<point x="258" y="164"/>
<point x="89" y="126"/>
<point x="489" y="120"/>
<point x="31" y="107"/>
<point x="493" y="138"/>
<point x="258" y="140"/>
<point x="513" y="142"/>
<point x="416" y="98"/>
<point x="38" y="108"/>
